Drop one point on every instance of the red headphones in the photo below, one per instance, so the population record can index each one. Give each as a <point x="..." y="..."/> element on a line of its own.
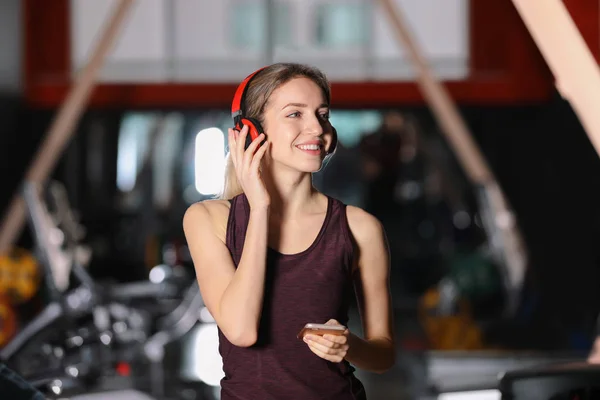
<point x="254" y="126"/>
<point x="237" y="112"/>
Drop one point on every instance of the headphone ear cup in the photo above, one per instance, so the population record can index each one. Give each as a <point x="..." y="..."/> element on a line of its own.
<point x="254" y="129"/>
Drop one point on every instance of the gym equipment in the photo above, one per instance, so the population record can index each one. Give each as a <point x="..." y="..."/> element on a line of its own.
<point x="171" y="328"/>
<point x="74" y="344"/>
<point x="62" y="343"/>
<point x="504" y="237"/>
<point x="505" y="243"/>
<point x="8" y="322"/>
<point x="454" y="329"/>
<point x="475" y="276"/>
<point x="93" y="333"/>
<point x="455" y="311"/>
<point x="568" y="381"/>
<point x="19" y="276"/>
<point x="166" y="282"/>
<point x="62" y="127"/>
<point x="68" y="222"/>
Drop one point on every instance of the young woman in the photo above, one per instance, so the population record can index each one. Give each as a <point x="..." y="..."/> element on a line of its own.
<point x="275" y="254"/>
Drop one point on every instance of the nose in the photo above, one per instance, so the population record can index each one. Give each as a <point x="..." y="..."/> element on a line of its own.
<point x="315" y="125"/>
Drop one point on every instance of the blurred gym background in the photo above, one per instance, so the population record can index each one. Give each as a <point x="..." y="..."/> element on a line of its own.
<point x="150" y="140"/>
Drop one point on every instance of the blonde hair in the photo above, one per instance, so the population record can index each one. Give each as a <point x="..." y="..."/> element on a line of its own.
<point x="259" y="91"/>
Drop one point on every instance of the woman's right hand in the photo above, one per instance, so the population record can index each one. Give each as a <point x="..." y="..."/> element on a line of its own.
<point x="247" y="166"/>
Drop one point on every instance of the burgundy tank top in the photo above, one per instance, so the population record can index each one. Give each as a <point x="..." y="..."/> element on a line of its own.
<point x="314" y="285"/>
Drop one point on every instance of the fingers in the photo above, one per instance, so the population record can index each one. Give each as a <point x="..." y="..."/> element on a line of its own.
<point x="336" y="342"/>
<point x="336" y="323"/>
<point x="329" y="347"/>
<point x="240" y="144"/>
<point x="326" y="349"/>
<point x="259" y="154"/>
<point x="249" y="155"/>
<point x="245" y="159"/>
<point x="332" y="358"/>
<point x="339" y="339"/>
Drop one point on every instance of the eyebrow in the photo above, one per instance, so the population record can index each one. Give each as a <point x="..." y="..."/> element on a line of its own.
<point x="302" y="105"/>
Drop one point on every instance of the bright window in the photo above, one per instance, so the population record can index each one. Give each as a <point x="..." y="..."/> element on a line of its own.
<point x="249" y="27"/>
<point x="342" y="25"/>
<point x="134" y="143"/>
<point x="209" y="161"/>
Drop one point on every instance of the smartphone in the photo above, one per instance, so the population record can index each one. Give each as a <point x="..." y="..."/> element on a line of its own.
<point x="321" y="329"/>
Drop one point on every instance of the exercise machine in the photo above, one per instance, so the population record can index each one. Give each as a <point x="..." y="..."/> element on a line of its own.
<point x="93" y="337"/>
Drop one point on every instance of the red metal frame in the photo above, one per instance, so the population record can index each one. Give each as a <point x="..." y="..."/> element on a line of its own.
<point x="506" y="67"/>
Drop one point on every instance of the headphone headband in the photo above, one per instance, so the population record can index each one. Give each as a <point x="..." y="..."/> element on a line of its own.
<point x="239" y="97"/>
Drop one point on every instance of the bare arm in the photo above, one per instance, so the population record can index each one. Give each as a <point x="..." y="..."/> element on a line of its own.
<point x="233" y="296"/>
<point x="376" y="351"/>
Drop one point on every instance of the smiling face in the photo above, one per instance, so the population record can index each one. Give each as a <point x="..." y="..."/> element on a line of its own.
<point x="296" y="122"/>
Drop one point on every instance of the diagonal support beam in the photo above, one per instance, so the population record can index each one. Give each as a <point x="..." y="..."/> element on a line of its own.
<point x="504" y="236"/>
<point x="63" y="126"/>
<point x="574" y="67"/>
<point x="440" y="102"/>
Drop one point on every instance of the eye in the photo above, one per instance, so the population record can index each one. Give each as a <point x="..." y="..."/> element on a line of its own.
<point x="325" y="116"/>
<point x="294" y="115"/>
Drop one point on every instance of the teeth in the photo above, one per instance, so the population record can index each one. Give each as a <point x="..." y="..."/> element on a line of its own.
<point x="309" y="147"/>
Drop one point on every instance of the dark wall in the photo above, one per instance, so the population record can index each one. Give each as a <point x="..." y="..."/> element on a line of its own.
<point x="20" y="133"/>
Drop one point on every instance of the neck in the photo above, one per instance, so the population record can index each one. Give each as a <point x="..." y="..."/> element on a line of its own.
<point x="290" y="190"/>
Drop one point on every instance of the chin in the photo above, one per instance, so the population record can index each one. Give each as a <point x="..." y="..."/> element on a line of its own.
<point x="312" y="166"/>
<point x="308" y="166"/>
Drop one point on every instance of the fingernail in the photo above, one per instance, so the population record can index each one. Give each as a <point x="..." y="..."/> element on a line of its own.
<point x="308" y="337"/>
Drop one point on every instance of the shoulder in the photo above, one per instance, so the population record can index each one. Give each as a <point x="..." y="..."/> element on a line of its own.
<point x="211" y="214"/>
<point x="371" y="247"/>
<point x="364" y="226"/>
<point x="207" y="209"/>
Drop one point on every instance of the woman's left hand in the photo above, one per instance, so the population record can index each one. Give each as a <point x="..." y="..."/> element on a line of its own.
<point x="329" y="347"/>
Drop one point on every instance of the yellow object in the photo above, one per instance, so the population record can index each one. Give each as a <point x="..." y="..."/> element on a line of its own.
<point x="8" y="323"/>
<point x="448" y="332"/>
<point x="19" y="276"/>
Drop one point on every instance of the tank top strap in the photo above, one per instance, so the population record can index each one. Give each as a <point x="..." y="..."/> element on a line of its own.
<point x="338" y="231"/>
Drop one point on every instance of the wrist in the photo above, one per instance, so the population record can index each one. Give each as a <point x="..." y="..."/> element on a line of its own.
<point x="262" y="209"/>
<point x="353" y="343"/>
